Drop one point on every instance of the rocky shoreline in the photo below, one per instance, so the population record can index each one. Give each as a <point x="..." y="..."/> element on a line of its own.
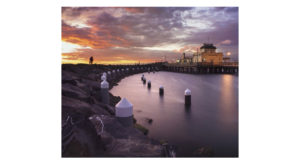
<point x="89" y="127"/>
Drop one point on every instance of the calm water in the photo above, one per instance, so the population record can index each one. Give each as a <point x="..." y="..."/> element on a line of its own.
<point x="211" y="121"/>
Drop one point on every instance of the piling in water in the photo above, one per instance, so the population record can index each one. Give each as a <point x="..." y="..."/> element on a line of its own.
<point x="144" y="80"/>
<point x="187" y="95"/>
<point x="149" y="84"/>
<point x="161" y="90"/>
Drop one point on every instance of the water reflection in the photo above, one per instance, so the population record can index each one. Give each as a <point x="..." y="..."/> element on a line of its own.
<point x="211" y="120"/>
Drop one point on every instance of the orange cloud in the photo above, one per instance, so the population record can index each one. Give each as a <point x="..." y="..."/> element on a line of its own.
<point x="88" y="37"/>
<point x="134" y="9"/>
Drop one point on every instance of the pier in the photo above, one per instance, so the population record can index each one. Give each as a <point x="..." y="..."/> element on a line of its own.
<point x="202" y="68"/>
<point x="195" y="68"/>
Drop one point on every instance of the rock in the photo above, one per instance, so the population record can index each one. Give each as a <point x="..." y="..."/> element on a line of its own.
<point x="86" y="136"/>
<point x="149" y="120"/>
<point x="123" y="141"/>
<point x="204" y="152"/>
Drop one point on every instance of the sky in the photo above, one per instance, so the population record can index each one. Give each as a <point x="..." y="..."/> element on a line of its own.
<point x="130" y="35"/>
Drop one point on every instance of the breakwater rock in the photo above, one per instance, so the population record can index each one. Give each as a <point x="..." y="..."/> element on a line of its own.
<point x="89" y="127"/>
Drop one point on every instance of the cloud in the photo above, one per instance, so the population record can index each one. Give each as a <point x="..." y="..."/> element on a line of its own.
<point x="226" y="42"/>
<point x="148" y="30"/>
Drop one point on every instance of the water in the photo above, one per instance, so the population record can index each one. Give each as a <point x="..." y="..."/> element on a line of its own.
<point x="211" y="121"/>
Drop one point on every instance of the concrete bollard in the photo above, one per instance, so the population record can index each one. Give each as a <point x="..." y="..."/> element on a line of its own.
<point x="124" y="112"/>
<point x="161" y="90"/>
<point x="149" y="84"/>
<point x="104" y="92"/>
<point x="103" y="77"/>
<point x="114" y="74"/>
<point x="108" y="75"/>
<point x="187" y="95"/>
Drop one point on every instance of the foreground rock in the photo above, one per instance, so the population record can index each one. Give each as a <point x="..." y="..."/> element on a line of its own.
<point x="89" y="127"/>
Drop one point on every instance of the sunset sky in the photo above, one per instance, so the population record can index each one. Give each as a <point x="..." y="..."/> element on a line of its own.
<point x="122" y="35"/>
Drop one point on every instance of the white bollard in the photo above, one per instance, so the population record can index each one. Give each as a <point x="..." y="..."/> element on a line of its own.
<point x="114" y="74"/>
<point x="108" y="75"/>
<point x="187" y="95"/>
<point x="103" y="77"/>
<point x="161" y="90"/>
<point x="104" y="92"/>
<point x="124" y="112"/>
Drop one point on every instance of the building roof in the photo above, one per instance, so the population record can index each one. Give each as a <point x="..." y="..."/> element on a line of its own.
<point x="208" y="46"/>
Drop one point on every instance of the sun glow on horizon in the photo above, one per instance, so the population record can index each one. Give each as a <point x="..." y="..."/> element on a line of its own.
<point x="68" y="47"/>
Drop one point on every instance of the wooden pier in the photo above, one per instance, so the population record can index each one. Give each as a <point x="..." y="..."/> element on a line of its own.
<point x="202" y="68"/>
<point x="195" y="68"/>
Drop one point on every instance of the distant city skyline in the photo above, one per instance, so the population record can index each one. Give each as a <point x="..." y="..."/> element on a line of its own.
<point x="122" y="35"/>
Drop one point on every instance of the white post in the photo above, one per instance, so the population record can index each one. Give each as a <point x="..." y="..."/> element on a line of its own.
<point x="124" y="112"/>
<point x="108" y="75"/>
<point x="103" y="77"/>
<point x="114" y="74"/>
<point x="104" y="92"/>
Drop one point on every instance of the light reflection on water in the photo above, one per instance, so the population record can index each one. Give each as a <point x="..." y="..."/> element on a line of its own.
<point x="212" y="119"/>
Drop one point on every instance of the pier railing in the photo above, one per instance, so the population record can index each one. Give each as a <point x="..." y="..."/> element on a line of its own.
<point x="234" y="64"/>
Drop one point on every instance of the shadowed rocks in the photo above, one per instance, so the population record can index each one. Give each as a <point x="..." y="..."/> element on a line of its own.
<point x="89" y="127"/>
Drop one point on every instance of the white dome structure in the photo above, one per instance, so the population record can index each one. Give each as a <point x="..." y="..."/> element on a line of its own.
<point x="104" y="84"/>
<point x="187" y="92"/>
<point x="124" y="108"/>
<point x="103" y="77"/>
